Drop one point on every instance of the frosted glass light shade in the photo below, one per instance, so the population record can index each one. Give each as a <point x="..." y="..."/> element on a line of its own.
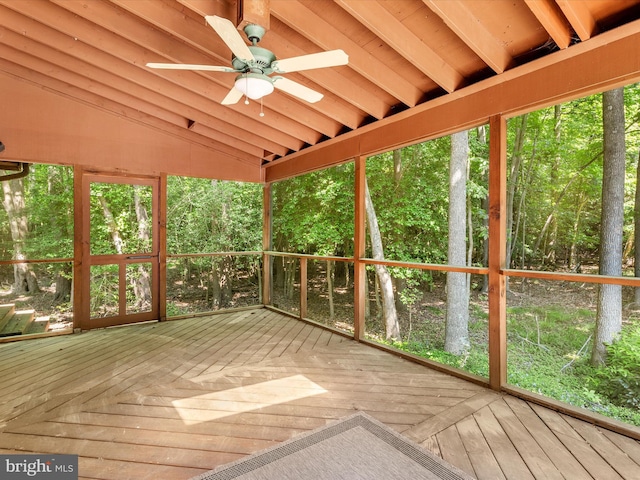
<point x="254" y="87"/>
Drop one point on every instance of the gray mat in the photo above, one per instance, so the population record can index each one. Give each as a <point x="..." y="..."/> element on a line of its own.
<point x="356" y="447"/>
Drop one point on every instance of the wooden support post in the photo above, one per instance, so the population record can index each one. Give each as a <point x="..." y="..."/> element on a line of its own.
<point x="266" y="244"/>
<point x="303" y="287"/>
<point x="497" y="252"/>
<point x="78" y="253"/>
<point x="161" y="288"/>
<point x="359" y="268"/>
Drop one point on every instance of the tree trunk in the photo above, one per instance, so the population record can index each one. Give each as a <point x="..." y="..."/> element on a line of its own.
<point x="574" y="258"/>
<point x="289" y="276"/>
<point x="636" y="226"/>
<point x="330" y="269"/>
<point x="457" y="326"/>
<point x="390" y="315"/>
<point x="24" y="279"/>
<point x="63" y="284"/>
<point x="482" y="138"/>
<point x="141" y="282"/>
<point x="609" y="310"/>
<point x="512" y="182"/>
<point x="111" y="225"/>
<point x="216" y="291"/>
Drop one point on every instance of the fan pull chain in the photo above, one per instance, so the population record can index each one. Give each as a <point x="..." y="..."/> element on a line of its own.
<point x="246" y="89"/>
<point x="261" y="111"/>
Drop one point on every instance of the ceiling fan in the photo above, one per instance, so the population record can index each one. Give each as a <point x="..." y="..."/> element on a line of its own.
<point x="255" y="65"/>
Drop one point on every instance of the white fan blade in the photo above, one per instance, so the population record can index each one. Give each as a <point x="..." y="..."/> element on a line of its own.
<point x="297" y="90"/>
<point x="188" y="66"/>
<point x="331" y="58"/>
<point x="229" y="35"/>
<point x="232" y="97"/>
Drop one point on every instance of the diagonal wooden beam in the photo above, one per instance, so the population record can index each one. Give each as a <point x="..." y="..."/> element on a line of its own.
<point x="463" y="23"/>
<point x="148" y="87"/>
<point x="331" y="79"/>
<point x="580" y="18"/>
<point x="200" y="37"/>
<point x="198" y="96"/>
<point x="550" y="16"/>
<point x="388" y="28"/>
<point x="47" y="61"/>
<point x="326" y="36"/>
<point x="132" y="41"/>
<point x="534" y="85"/>
<point x="83" y="97"/>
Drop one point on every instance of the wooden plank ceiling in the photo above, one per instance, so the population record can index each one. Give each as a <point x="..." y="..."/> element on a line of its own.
<point x="402" y="53"/>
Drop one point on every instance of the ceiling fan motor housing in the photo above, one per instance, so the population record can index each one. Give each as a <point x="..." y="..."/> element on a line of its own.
<point x="261" y="64"/>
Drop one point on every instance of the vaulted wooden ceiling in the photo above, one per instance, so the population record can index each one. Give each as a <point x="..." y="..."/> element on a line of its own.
<point x="403" y="54"/>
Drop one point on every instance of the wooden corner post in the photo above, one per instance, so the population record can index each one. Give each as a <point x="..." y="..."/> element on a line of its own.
<point x="359" y="268"/>
<point x="497" y="252"/>
<point x="266" y="243"/>
<point x="162" y="250"/>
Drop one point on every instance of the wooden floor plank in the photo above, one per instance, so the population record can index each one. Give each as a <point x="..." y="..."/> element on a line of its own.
<point x="452" y="449"/>
<point x="174" y="399"/>
<point x="630" y="446"/>
<point x="554" y="449"/>
<point x="480" y="455"/>
<point x="538" y="463"/>
<point x="503" y="450"/>
<point x="450" y="416"/>
<point x="609" y="451"/>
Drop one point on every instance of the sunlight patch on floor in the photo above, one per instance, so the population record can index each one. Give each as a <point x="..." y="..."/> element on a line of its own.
<point x="216" y="405"/>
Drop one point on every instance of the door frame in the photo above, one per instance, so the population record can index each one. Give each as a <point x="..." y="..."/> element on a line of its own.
<point x="84" y="260"/>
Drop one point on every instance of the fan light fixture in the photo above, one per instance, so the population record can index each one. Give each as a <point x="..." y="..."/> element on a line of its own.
<point x="254" y="85"/>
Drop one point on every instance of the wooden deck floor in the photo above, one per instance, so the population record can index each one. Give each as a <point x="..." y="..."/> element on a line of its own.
<point x="172" y="400"/>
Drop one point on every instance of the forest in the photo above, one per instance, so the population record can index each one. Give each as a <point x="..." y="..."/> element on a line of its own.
<point x="573" y="209"/>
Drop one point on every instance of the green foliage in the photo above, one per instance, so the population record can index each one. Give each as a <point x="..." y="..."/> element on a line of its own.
<point x="619" y="380"/>
<point x="118" y="200"/>
<point x="48" y="197"/>
<point x="313" y="213"/>
<point x="213" y="216"/>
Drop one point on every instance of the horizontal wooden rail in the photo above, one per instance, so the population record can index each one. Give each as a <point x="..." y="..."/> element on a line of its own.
<point x="426" y="266"/>
<point x="573" y="277"/>
<point x="307" y="256"/>
<point x="48" y="260"/>
<point x="211" y="254"/>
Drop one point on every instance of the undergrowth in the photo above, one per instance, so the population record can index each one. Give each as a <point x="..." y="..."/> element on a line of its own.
<point x="549" y="354"/>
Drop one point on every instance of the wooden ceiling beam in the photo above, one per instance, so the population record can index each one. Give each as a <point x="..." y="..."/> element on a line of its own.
<point x="44" y="60"/>
<point x="222" y="8"/>
<point x="330" y="115"/>
<point x="332" y="79"/>
<point x="118" y="30"/>
<point x="83" y="96"/>
<point x="195" y="107"/>
<point x="197" y="98"/>
<point x="554" y="22"/>
<point x="579" y="16"/>
<point x="388" y="28"/>
<point x="98" y="139"/>
<point x="326" y="36"/>
<point x="537" y="84"/>
<point x="466" y="26"/>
